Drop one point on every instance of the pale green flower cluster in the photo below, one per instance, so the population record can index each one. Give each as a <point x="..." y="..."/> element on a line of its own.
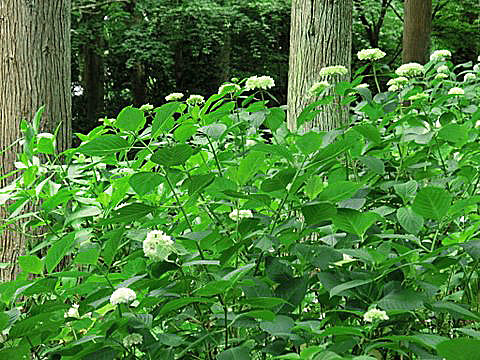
<point x="228" y="88"/>
<point x="259" y="82"/>
<point x="441" y="76"/>
<point x="195" y="100"/>
<point x="373" y="315"/>
<point x="132" y="339"/>
<point x="146" y="107"/>
<point x="157" y="245"/>
<point x="236" y="215"/>
<point x="174" y="97"/>
<point x="439" y="55"/>
<point x="469" y="77"/>
<point x="362" y="86"/>
<point x="72" y="312"/>
<point x="456" y="91"/>
<point x="410" y="69"/>
<point x="122" y="296"/>
<point x="370" y="54"/>
<point x="418" y="96"/>
<point x="397" y="83"/>
<point x="318" y="87"/>
<point x="442" y="69"/>
<point x="333" y="70"/>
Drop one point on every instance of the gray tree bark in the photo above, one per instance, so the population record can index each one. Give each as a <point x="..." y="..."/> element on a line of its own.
<point x="320" y="36"/>
<point x="34" y="71"/>
<point x="416" y="31"/>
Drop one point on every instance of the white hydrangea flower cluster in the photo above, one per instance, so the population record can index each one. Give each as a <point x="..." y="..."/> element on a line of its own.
<point x="333" y="70"/>
<point x="469" y="77"/>
<point x="146" y="107"/>
<point x="442" y="69"/>
<point x="419" y="96"/>
<point x="228" y="88"/>
<point x="174" y="97"/>
<point x="318" y="87"/>
<point x="397" y="83"/>
<point x="374" y="314"/>
<point x="259" y="82"/>
<point x="195" y="100"/>
<point x="157" y="245"/>
<point x="362" y="86"/>
<point x="456" y="91"/>
<point x="441" y="76"/>
<point x="132" y="339"/>
<point x="439" y="55"/>
<point x="410" y="69"/>
<point x="72" y="312"/>
<point x="370" y="54"/>
<point x="122" y="296"/>
<point x="237" y="215"/>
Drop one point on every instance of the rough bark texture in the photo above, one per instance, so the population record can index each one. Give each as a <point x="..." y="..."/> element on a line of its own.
<point x="34" y="71"/>
<point x="320" y="35"/>
<point x="416" y="31"/>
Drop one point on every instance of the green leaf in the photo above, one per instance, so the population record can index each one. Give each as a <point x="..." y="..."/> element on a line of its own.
<point x="184" y="132"/>
<point x="472" y="248"/>
<point x="179" y="303"/>
<point x="172" y="155"/>
<point x="130" y="119"/>
<point x="354" y="221"/>
<point x="455" y="310"/>
<point x="318" y="212"/>
<point x="336" y="290"/>
<point x="280" y="326"/>
<point x="459" y="349"/>
<point x="409" y="220"/>
<point x="263" y="302"/>
<point x="213" y="288"/>
<point x="249" y="166"/>
<point x="60" y="197"/>
<point x="104" y="145"/>
<point x="30" y="264"/>
<point x="88" y="254"/>
<point x="309" y="142"/>
<point x="198" y="182"/>
<point x="266" y="315"/>
<point x="214" y="131"/>
<point x="46" y="143"/>
<point x="406" y="190"/>
<point x="235" y="353"/>
<point x="339" y="190"/>
<point x="275" y="119"/>
<point x="163" y="114"/>
<point x="279" y="181"/>
<point x="313" y="187"/>
<point x="144" y="182"/>
<point x="402" y="300"/>
<point x="454" y="133"/>
<point x="432" y="203"/>
<point x="129" y="213"/>
<point x="370" y="132"/>
<point x="373" y="163"/>
<point x="58" y="250"/>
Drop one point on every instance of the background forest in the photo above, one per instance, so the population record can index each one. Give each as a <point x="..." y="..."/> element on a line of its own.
<point x="139" y="51"/>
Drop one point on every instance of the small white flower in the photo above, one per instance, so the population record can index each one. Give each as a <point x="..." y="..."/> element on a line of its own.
<point x="362" y="86"/>
<point x="122" y="296"/>
<point x="318" y="87"/>
<point x="132" y="339"/>
<point x="195" y="100"/>
<point x="374" y="314"/>
<point x="441" y="76"/>
<point x="370" y="54"/>
<point x="229" y="88"/>
<point x="174" y="96"/>
<point x="157" y="245"/>
<point x="469" y="77"/>
<point x="418" y="96"/>
<point x="77" y="90"/>
<point x="72" y="312"/>
<point x="476" y="68"/>
<point x="259" y="82"/>
<point x="399" y="81"/>
<point x="333" y="70"/>
<point x="146" y="107"/>
<point x="456" y="91"/>
<point x="442" y="69"/>
<point x="439" y="55"/>
<point x="410" y="69"/>
<point x="250" y="142"/>
<point x="236" y="215"/>
<point x="478" y="58"/>
<point x="393" y="88"/>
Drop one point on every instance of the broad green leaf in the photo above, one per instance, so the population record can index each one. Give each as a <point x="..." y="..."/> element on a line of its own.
<point x="354" y="221"/>
<point x="214" y="131"/>
<point x="459" y="349"/>
<point x="337" y="290"/>
<point x="263" y="302"/>
<point x="275" y="119"/>
<point x="280" y="326"/>
<point x="184" y="132"/>
<point x="179" y="303"/>
<point x="341" y="330"/>
<point x="83" y="212"/>
<point x="30" y="264"/>
<point x="88" y="254"/>
<point x="432" y="203"/>
<point x="409" y="220"/>
<point x="313" y="187"/>
<point x="46" y="143"/>
<point x="472" y="248"/>
<point x="318" y="212"/>
<point x="60" y="197"/>
<point x="309" y="142"/>
<point x="163" y="114"/>
<point x="370" y="132"/>
<point x="235" y="353"/>
<point x="455" y="309"/>
<point x="130" y="119"/>
<point x="172" y="155"/>
<point x="198" y="182"/>
<point x="249" y="166"/>
<point x="406" y="190"/>
<point x="104" y="145"/>
<point x="402" y="300"/>
<point x="266" y="315"/>
<point x="129" y="213"/>
<point x="374" y="164"/>
<point x="279" y="181"/>
<point x="339" y="190"/>
<point x="454" y="133"/>
<point x="213" y="288"/>
<point x="145" y="182"/>
<point x="58" y="250"/>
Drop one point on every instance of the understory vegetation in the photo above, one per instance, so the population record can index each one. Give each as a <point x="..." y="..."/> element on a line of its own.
<point x="206" y="229"/>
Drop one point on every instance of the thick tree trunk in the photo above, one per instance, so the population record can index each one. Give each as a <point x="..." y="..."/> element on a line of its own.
<point x="34" y="71"/>
<point x="416" y="31"/>
<point x="320" y="35"/>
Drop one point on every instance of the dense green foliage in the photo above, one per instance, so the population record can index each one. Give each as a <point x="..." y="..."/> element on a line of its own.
<point x="270" y="243"/>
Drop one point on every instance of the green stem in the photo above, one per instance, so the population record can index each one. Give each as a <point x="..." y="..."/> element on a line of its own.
<point x="376" y="79"/>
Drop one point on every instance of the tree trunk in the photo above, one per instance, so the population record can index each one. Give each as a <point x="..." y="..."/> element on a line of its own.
<point x="416" y="31"/>
<point x="320" y="35"/>
<point x="34" y="71"/>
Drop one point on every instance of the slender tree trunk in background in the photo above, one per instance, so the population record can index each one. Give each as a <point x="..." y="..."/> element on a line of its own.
<point x="93" y="74"/>
<point x="320" y="35"/>
<point x="34" y="71"/>
<point x="416" y="31"/>
<point x="224" y="58"/>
